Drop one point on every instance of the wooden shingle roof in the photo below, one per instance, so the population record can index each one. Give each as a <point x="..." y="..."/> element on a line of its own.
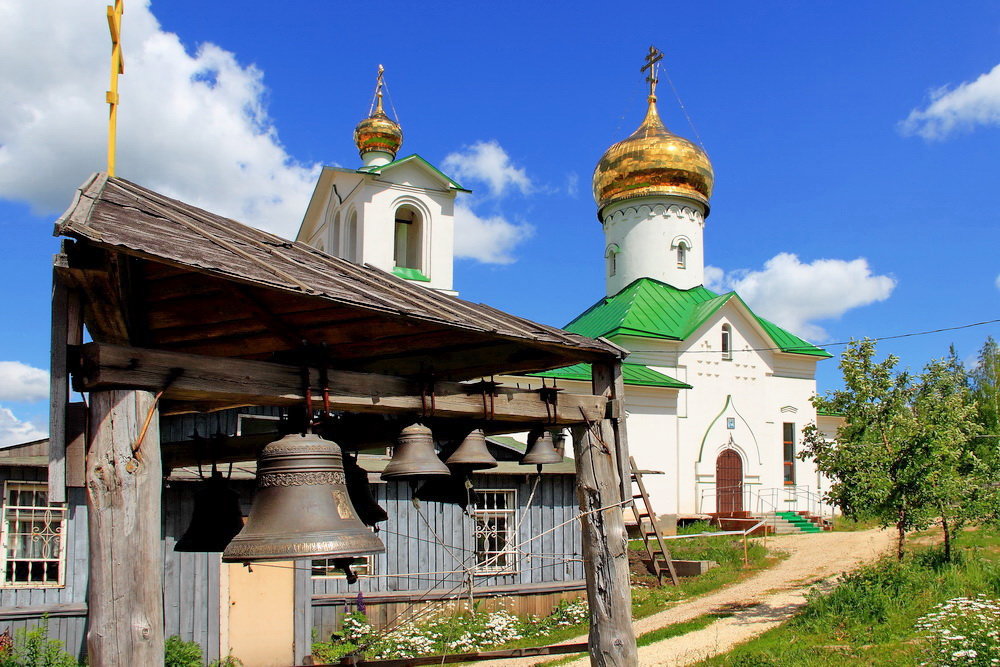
<point x="202" y="283"/>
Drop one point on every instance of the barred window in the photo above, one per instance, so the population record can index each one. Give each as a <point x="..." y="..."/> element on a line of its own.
<point x="33" y="552"/>
<point x="496" y="519"/>
<point x="325" y="568"/>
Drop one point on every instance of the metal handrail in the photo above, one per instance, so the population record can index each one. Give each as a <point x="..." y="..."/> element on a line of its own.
<point x="749" y="497"/>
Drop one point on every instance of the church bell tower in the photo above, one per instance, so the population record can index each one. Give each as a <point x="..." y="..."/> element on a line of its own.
<point x="394" y="213"/>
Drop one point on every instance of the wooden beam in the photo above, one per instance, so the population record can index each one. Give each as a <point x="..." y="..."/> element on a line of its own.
<point x="610" y="376"/>
<point x="243" y="382"/>
<point x="66" y="329"/>
<point x="96" y="275"/>
<point x="124" y="483"/>
<point x="605" y="542"/>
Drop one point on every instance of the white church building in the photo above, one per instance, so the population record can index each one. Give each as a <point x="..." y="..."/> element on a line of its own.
<point x="716" y="396"/>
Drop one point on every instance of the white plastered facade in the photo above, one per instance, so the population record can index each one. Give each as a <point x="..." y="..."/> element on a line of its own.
<point x="352" y="214"/>
<point x="654" y="237"/>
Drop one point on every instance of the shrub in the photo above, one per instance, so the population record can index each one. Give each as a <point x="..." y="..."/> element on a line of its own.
<point x="963" y="631"/>
<point x="179" y="653"/>
<point x="34" y="648"/>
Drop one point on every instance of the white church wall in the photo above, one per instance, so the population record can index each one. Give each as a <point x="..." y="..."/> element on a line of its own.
<point x="733" y="404"/>
<point x="646" y="232"/>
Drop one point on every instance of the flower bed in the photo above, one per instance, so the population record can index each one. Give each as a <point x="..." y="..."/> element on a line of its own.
<point x="460" y="633"/>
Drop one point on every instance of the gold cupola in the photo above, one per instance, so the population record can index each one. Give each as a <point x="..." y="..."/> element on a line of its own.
<point x="378" y="133"/>
<point x="652" y="161"/>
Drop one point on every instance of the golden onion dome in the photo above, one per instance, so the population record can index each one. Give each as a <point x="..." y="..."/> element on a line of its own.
<point x="378" y="132"/>
<point x="652" y="161"/>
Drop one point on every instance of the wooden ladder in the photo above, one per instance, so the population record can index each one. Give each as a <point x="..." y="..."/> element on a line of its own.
<point x="649" y="528"/>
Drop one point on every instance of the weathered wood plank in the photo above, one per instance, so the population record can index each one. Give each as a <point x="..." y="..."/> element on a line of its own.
<point x="76" y="445"/>
<point x="255" y="382"/>
<point x="605" y="543"/>
<point x="124" y="484"/>
<point x="58" y="385"/>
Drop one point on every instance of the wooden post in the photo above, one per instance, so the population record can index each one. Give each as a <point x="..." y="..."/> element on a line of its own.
<point x="605" y="542"/>
<point x="123" y="497"/>
<point x="67" y="329"/>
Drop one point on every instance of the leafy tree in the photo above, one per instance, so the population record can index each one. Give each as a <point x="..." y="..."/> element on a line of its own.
<point x="945" y="415"/>
<point x="902" y="456"/>
<point x="985" y="381"/>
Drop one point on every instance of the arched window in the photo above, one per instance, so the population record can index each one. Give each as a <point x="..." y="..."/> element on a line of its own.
<point x="611" y="255"/>
<point x="335" y="236"/>
<point x="351" y="238"/>
<point x="682" y="251"/>
<point x="408" y="239"/>
<point x="727" y="341"/>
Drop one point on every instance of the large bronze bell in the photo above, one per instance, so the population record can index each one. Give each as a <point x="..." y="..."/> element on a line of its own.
<point x="414" y="456"/>
<point x="216" y="519"/>
<point x="473" y="454"/>
<point x="301" y="508"/>
<point x="540" y="450"/>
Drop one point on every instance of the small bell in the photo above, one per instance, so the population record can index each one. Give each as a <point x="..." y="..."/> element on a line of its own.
<point x="414" y="456"/>
<point x="540" y="449"/>
<point x="473" y="454"/>
<point x="301" y="508"/>
<point x="217" y="517"/>
<point x="360" y="491"/>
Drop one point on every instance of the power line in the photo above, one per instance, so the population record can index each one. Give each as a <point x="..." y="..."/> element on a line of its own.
<point x="825" y="345"/>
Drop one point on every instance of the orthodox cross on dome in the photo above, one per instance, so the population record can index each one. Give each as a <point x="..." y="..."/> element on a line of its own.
<point x="377" y="100"/>
<point x="652" y="58"/>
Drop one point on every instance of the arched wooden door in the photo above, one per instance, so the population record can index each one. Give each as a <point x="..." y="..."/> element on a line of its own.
<point x="728" y="482"/>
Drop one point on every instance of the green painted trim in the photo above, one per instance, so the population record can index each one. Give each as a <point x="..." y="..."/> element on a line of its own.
<point x="379" y="169"/>
<point x="410" y="274"/>
<point x="636" y="375"/>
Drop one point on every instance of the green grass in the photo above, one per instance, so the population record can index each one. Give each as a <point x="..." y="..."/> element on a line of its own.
<point x="728" y="553"/>
<point x="869" y="618"/>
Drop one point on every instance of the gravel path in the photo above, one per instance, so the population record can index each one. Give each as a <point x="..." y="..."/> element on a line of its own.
<point x="758" y="604"/>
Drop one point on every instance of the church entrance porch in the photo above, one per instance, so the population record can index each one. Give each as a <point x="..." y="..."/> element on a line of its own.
<point x="729" y="483"/>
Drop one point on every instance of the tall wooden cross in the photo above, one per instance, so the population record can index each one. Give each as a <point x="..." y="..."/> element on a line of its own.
<point x="654" y="56"/>
<point x="117" y="67"/>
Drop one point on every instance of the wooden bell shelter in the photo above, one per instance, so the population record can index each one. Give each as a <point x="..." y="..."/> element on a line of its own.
<point x="188" y="311"/>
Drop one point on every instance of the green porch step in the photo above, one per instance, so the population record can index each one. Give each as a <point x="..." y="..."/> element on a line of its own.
<point x="800" y="522"/>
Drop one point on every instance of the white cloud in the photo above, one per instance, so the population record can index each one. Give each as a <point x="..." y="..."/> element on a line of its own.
<point x="13" y="431"/>
<point x="192" y="126"/>
<point x="964" y="107"/>
<point x="490" y="239"/>
<point x="572" y="184"/>
<point x="22" y="383"/>
<point x="487" y="162"/>
<point x="795" y="295"/>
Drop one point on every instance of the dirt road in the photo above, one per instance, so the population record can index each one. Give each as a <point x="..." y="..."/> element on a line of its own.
<point x="758" y="604"/>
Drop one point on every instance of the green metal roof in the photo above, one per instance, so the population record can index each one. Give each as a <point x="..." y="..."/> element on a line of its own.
<point x="379" y="169"/>
<point x="410" y="274"/>
<point x="654" y="309"/>
<point x="633" y="374"/>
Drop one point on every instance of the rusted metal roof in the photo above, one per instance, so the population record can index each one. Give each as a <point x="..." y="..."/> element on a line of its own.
<point x="117" y="215"/>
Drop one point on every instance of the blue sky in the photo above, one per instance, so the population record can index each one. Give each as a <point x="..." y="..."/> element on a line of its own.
<point x="803" y="108"/>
